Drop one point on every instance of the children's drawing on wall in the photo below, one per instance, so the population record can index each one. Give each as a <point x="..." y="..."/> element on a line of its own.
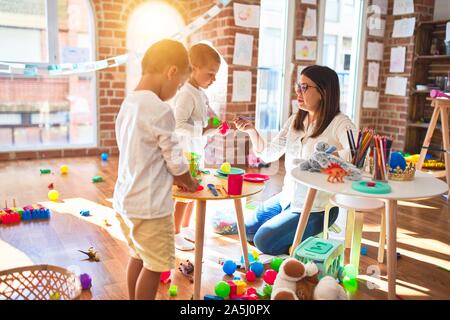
<point x="372" y="75"/>
<point x="242" y="86"/>
<point x="403" y="7"/>
<point x="243" y="48"/>
<point x="246" y="15"/>
<point x="309" y="27"/>
<point x="397" y="59"/>
<point x="305" y="50"/>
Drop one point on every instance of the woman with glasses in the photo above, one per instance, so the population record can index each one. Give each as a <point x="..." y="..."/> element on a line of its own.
<point x="272" y="227"/>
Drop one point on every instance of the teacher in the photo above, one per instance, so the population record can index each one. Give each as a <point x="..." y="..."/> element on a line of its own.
<point x="273" y="225"/>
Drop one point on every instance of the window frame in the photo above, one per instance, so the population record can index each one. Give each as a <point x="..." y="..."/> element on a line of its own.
<point x="54" y="57"/>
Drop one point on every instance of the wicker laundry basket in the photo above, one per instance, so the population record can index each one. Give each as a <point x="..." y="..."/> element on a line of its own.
<point x="39" y="282"/>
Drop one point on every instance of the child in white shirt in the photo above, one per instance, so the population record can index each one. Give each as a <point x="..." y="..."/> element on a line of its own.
<point x="150" y="162"/>
<point x="192" y="115"/>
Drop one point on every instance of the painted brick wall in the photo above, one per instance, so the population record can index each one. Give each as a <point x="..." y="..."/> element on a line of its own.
<point x="391" y="116"/>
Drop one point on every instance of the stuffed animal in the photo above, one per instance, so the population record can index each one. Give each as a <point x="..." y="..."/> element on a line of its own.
<point x="298" y="281"/>
<point x="322" y="158"/>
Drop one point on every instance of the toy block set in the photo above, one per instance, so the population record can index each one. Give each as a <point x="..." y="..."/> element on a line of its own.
<point x="26" y="213"/>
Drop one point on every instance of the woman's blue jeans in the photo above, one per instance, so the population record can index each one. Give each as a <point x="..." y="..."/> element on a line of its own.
<point x="272" y="228"/>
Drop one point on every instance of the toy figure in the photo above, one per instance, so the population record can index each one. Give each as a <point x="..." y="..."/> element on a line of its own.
<point x="92" y="254"/>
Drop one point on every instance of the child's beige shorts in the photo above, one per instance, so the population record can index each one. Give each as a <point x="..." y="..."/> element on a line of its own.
<point x="150" y="240"/>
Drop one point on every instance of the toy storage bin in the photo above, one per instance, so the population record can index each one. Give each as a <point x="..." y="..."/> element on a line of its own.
<point x="38" y="282"/>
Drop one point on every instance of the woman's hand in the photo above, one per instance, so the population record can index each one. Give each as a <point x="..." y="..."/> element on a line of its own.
<point x="243" y="125"/>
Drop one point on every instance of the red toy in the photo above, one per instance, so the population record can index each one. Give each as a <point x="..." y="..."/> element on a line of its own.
<point x="335" y="173"/>
<point x="251" y="291"/>
<point x="224" y="128"/>
<point x="270" y="276"/>
<point x="250" y="276"/>
<point x="165" y="276"/>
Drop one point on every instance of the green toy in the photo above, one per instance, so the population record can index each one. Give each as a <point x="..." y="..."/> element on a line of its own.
<point x="328" y="255"/>
<point x="350" y="271"/>
<point x="45" y="171"/>
<point x="97" y="179"/>
<point x="173" y="290"/>
<point x="222" y="289"/>
<point x="267" y="289"/>
<point x="276" y="263"/>
<point x="215" y="122"/>
<point x="375" y="187"/>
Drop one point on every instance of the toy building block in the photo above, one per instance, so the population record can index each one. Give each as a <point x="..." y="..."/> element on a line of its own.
<point x="233" y="287"/>
<point x="45" y="171"/>
<point x="240" y="287"/>
<point x="239" y="297"/>
<point x="173" y="290"/>
<point x="253" y="296"/>
<point x="212" y="297"/>
<point x="97" y="179"/>
<point x="85" y="213"/>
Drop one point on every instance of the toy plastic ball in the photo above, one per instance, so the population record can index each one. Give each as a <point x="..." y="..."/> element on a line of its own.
<point x="215" y="122"/>
<point x="257" y="268"/>
<point x="64" y="169"/>
<point x="350" y="285"/>
<point x="104" y="156"/>
<point x="225" y="167"/>
<point x="225" y="128"/>
<point x="222" y="289"/>
<point x="250" y="276"/>
<point x="276" y="263"/>
<point x="350" y="271"/>
<point x="270" y="276"/>
<point x="53" y="195"/>
<point x="397" y="160"/>
<point x="229" y="267"/>
<point x="251" y="291"/>
<point x="363" y="251"/>
<point x="164" y="276"/>
<point x="86" y="281"/>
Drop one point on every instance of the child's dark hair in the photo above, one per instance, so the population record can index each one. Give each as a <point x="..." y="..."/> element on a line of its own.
<point x="327" y="82"/>
<point x="165" y="53"/>
<point x="201" y="53"/>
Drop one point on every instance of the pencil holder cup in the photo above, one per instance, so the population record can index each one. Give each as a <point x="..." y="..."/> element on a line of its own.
<point x="235" y="182"/>
<point x="194" y="163"/>
<point x="379" y="170"/>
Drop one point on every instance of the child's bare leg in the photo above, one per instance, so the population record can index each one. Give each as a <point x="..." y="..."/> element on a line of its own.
<point x="180" y="209"/>
<point x="147" y="285"/>
<point x="134" y="268"/>
<point x="187" y="214"/>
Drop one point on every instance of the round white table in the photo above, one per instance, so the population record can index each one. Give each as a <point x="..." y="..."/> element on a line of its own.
<point x="422" y="187"/>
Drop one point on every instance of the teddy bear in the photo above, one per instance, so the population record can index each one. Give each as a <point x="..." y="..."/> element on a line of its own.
<point x="322" y="158"/>
<point x="298" y="281"/>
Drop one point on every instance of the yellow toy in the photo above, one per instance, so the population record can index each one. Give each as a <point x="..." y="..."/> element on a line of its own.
<point x="412" y="159"/>
<point x="64" y="169"/>
<point x="241" y="286"/>
<point x="225" y="167"/>
<point x="53" y="195"/>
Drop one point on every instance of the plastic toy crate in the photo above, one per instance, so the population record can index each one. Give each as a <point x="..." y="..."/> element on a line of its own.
<point x="328" y="255"/>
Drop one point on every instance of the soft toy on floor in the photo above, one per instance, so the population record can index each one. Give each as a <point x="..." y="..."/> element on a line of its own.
<point x="298" y="281"/>
<point x="322" y="158"/>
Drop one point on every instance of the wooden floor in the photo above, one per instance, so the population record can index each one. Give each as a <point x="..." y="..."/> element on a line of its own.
<point x="423" y="235"/>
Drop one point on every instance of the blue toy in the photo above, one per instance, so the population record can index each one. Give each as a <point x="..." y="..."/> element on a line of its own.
<point x="229" y="267"/>
<point x="363" y="251"/>
<point x="212" y="297"/>
<point x="251" y="259"/>
<point x="85" y="213"/>
<point x="397" y="160"/>
<point x="104" y="156"/>
<point x="257" y="267"/>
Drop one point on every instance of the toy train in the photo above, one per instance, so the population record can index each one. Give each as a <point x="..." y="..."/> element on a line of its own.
<point x="29" y="212"/>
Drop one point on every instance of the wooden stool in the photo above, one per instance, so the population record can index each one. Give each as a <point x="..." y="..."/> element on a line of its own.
<point x="353" y="231"/>
<point x="440" y="108"/>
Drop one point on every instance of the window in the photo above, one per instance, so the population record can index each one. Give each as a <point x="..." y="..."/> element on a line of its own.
<point x="271" y="64"/>
<point x="329" y="51"/>
<point x="40" y="112"/>
<point x="332" y="11"/>
<point x="149" y="23"/>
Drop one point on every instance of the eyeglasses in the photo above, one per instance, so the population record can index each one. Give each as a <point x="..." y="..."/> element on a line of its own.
<point x="303" y="87"/>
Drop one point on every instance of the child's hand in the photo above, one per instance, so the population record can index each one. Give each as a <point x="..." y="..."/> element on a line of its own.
<point x="243" y="125"/>
<point x="185" y="182"/>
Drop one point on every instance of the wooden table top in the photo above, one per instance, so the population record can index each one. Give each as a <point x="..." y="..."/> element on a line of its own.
<point x="248" y="189"/>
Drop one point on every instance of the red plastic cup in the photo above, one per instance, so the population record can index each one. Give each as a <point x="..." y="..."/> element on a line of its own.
<point x="235" y="182"/>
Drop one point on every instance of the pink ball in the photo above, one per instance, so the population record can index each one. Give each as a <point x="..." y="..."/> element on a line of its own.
<point x="164" y="276"/>
<point x="250" y="276"/>
<point x="251" y="291"/>
<point x="270" y="276"/>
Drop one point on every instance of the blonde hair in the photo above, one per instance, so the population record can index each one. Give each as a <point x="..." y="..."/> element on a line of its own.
<point x="201" y="54"/>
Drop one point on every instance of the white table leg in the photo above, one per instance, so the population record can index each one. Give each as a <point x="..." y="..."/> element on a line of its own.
<point x="355" y="250"/>
<point x="199" y="240"/>
<point x="241" y="231"/>
<point x="391" y="217"/>
<point x="349" y="226"/>
<point x="304" y="216"/>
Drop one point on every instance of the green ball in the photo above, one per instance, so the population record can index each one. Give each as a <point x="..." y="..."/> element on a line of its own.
<point x="350" y="271"/>
<point x="350" y="285"/>
<point x="222" y="289"/>
<point x="267" y="290"/>
<point x="215" y="122"/>
<point x="276" y="263"/>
